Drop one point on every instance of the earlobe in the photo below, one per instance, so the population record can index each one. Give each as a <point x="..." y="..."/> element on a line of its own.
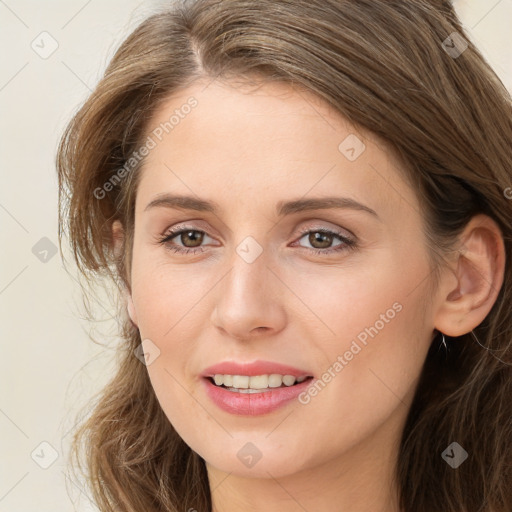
<point x="479" y="272"/>
<point x="131" y="310"/>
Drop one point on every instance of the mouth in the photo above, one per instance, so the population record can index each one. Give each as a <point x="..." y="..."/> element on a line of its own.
<point x="255" y="394"/>
<point x="254" y="388"/>
<point x="250" y="384"/>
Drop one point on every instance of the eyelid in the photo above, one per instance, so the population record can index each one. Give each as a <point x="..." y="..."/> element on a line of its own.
<point x="337" y="230"/>
<point x="348" y="242"/>
<point x="184" y="226"/>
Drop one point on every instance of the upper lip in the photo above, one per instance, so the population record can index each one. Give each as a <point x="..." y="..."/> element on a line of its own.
<point x="252" y="369"/>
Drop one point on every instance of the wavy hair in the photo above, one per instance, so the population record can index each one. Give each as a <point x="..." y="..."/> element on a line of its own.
<point x="388" y="66"/>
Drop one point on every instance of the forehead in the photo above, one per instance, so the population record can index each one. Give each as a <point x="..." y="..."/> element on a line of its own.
<point x="251" y="142"/>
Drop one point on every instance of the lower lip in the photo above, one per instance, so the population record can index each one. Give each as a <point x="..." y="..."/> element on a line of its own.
<point x="252" y="404"/>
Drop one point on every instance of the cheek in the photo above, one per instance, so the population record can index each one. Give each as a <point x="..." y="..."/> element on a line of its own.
<point x="164" y="293"/>
<point x="380" y="299"/>
<point x="370" y="380"/>
<point x="169" y="314"/>
<point x="374" y="341"/>
<point x="169" y="301"/>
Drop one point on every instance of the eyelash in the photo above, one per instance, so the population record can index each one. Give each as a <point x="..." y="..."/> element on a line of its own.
<point x="347" y="245"/>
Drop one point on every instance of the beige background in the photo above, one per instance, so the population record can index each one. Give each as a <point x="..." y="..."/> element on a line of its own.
<point x="49" y="367"/>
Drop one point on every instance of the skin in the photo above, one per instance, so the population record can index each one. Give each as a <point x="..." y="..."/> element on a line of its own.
<point x="247" y="149"/>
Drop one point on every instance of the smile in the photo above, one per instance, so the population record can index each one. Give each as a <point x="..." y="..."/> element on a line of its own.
<point x="256" y="383"/>
<point x="249" y="401"/>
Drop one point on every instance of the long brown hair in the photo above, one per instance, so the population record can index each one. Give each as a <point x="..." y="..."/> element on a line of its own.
<point x="389" y="67"/>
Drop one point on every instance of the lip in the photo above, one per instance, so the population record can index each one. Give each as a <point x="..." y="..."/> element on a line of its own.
<point x="253" y="404"/>
<point x="252" y="369"/>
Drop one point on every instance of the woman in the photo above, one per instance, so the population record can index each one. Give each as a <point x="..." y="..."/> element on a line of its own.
<point x="306" y="208"/>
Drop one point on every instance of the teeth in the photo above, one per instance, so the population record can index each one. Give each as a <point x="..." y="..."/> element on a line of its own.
<point x="289" y="380"/>
<point x="275" y="380"/>
<point x="257" y="382"/>
<point x="240" y="381"/>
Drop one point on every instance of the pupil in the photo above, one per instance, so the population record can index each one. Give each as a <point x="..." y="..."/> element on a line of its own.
<point x="195" y="240"/>
<point x="317" y="237"/>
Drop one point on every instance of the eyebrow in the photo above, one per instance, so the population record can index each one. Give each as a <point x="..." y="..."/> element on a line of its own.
<point x="282" y="208"/>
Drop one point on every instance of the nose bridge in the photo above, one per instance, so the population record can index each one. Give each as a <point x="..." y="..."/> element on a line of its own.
<point x="249" y="270"/>
<point x="245" y="301"/>
<point x="250" y="245"/>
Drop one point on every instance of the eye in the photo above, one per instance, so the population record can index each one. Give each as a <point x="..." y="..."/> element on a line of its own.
<point x="319" y="240"/>
<point x="192" y="238"/>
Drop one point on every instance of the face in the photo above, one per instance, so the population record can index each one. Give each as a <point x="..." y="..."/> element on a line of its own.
<point x="285" y="330"/>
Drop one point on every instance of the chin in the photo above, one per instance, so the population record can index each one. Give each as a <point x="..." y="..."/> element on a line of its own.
<point x="259" y="458"/>
<point x="266" y="467"/>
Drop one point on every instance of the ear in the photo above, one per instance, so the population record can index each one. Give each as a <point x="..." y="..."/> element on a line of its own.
<point x="117" y="237"/>
<point x="117" y="246"/>
<point x="469" y="292"/>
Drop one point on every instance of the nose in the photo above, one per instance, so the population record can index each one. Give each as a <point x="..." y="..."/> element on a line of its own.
<point x="249" y="302"/>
